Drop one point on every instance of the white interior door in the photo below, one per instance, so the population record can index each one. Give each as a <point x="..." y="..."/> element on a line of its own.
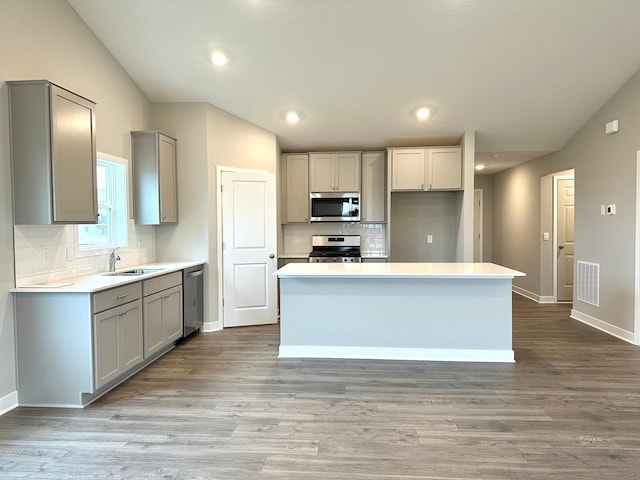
<point x="249" y="248"/>
<point x="565" y="239"/>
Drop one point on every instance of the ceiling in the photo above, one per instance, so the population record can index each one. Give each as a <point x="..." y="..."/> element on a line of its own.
<point x="524" y="74"/>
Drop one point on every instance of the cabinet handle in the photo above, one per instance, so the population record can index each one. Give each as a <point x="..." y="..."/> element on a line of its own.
<point x="120" y="297"/>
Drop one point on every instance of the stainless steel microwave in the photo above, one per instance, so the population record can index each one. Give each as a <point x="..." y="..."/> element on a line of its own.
<point x="335" y="207"/>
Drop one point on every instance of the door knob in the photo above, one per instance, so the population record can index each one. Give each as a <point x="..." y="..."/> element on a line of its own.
<point x="560" y="247"/>
<point x="271" y="255"/>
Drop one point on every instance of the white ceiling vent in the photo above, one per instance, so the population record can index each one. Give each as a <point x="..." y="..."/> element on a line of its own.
<point x="588" y="283"/>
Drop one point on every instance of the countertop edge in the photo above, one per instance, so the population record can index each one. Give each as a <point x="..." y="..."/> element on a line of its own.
<point x="398" y="270"/>
<point x="98" y="281"/>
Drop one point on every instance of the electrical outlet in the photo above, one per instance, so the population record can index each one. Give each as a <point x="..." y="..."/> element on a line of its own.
<point x="429" y="238"/>
<point x="70" y="254"/>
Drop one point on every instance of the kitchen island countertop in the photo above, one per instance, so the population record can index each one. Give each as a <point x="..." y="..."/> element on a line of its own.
<point x="397" y="270"/>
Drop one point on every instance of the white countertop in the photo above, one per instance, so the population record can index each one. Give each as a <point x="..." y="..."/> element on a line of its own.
<point x="306" y="255"/>
<point x="103" y="281"/>
<point x="397" y="270"/>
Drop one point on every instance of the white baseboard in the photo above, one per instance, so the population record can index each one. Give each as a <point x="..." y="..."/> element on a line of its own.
<point x="603" y="326"/>
<point x="8" y="402"/>
<point x="385" y="353"/>
<point x="211" y="326"/>
<point x="547" y="299"/>
<point x="529" y="295"/>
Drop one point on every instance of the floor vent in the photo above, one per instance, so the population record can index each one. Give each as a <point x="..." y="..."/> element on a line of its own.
<point x="589" y="283"/>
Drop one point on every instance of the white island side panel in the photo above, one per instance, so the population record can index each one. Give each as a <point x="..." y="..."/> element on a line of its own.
<point x="397" y="317"/>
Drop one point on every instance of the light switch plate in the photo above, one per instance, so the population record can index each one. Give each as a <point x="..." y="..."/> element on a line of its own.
<point x="545" y="236"/>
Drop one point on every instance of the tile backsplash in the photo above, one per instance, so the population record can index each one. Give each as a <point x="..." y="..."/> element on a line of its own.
<point x="46" y="253"/>
<point x="297" y="236"/>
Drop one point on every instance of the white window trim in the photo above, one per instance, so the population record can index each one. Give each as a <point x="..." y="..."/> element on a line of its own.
<point x="90" y="252"/>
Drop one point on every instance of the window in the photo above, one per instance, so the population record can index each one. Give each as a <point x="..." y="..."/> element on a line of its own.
<point x="111" y="229"/>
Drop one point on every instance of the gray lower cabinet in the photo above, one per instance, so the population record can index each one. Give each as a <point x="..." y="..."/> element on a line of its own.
<point x="73" y="347"/>
<point x="53" y="154"/>
<point x="118" y="341"/>
<point x="162" y="307"/>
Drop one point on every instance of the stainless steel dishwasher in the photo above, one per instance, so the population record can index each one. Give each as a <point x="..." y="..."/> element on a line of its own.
<point x="192" y="290"/>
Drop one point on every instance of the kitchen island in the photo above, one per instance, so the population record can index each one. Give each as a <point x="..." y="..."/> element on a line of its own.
<point x="396" y="311"/>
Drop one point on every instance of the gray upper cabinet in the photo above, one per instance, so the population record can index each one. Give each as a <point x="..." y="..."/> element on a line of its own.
<point x="431" y="168"/>
<point x="53" y="154"/>
<point x="295" y="170"/>
<point x="155" y="190"/>
<point x="373" y="198"/>
<point x="334" y="172"/>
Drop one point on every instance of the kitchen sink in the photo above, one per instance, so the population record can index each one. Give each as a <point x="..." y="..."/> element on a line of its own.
<point x="133" y="272"/>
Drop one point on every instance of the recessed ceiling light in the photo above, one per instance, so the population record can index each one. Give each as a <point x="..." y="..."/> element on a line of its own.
<point x="423" y="113"/>
<point x="292" y="117"/>
<point x="219" y="58"/>
<point x="480" y="167"/>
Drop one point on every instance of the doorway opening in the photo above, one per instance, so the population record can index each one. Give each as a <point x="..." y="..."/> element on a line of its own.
<point x="246" y="243"/>
<point x="563" y="236"/>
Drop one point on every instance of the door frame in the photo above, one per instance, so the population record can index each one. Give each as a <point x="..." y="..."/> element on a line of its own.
<point x="636" y="308"/>
<point x="554" y="257"/>
<point x="219" y="260"/>
<point x="480" y="222"/>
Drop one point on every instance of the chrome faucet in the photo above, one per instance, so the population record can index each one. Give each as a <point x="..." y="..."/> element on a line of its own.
<point x="113" y="258"/>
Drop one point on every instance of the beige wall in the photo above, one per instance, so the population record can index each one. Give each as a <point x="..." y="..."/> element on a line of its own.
<point x="189" y="238"/>
<point x="605" y="173"/>
<point x="231" y="143"/>
<point x="418" y="214"/>
<point x="45" y="39"/>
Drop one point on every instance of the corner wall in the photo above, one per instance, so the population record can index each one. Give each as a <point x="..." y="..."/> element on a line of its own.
<point x="236" y="144"/>
<point x="208" y="137"/>
<point x="605" y="173"/>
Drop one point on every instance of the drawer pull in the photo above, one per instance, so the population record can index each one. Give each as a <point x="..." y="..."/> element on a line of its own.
<point x="120" y="297"/>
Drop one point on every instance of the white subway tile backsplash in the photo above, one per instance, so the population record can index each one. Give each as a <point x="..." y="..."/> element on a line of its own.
<point x="297" y="236"/>
<point x="41" y="253"/>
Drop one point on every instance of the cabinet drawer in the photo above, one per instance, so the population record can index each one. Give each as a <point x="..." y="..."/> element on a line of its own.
<point x="158" y="284"/>
<point x="116" y="296"/>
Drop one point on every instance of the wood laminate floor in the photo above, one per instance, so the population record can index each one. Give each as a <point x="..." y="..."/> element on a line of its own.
<point x="222" y="406"/>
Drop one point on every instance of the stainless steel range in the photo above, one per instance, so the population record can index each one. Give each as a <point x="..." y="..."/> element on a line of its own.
<point x="335" y="249"/>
